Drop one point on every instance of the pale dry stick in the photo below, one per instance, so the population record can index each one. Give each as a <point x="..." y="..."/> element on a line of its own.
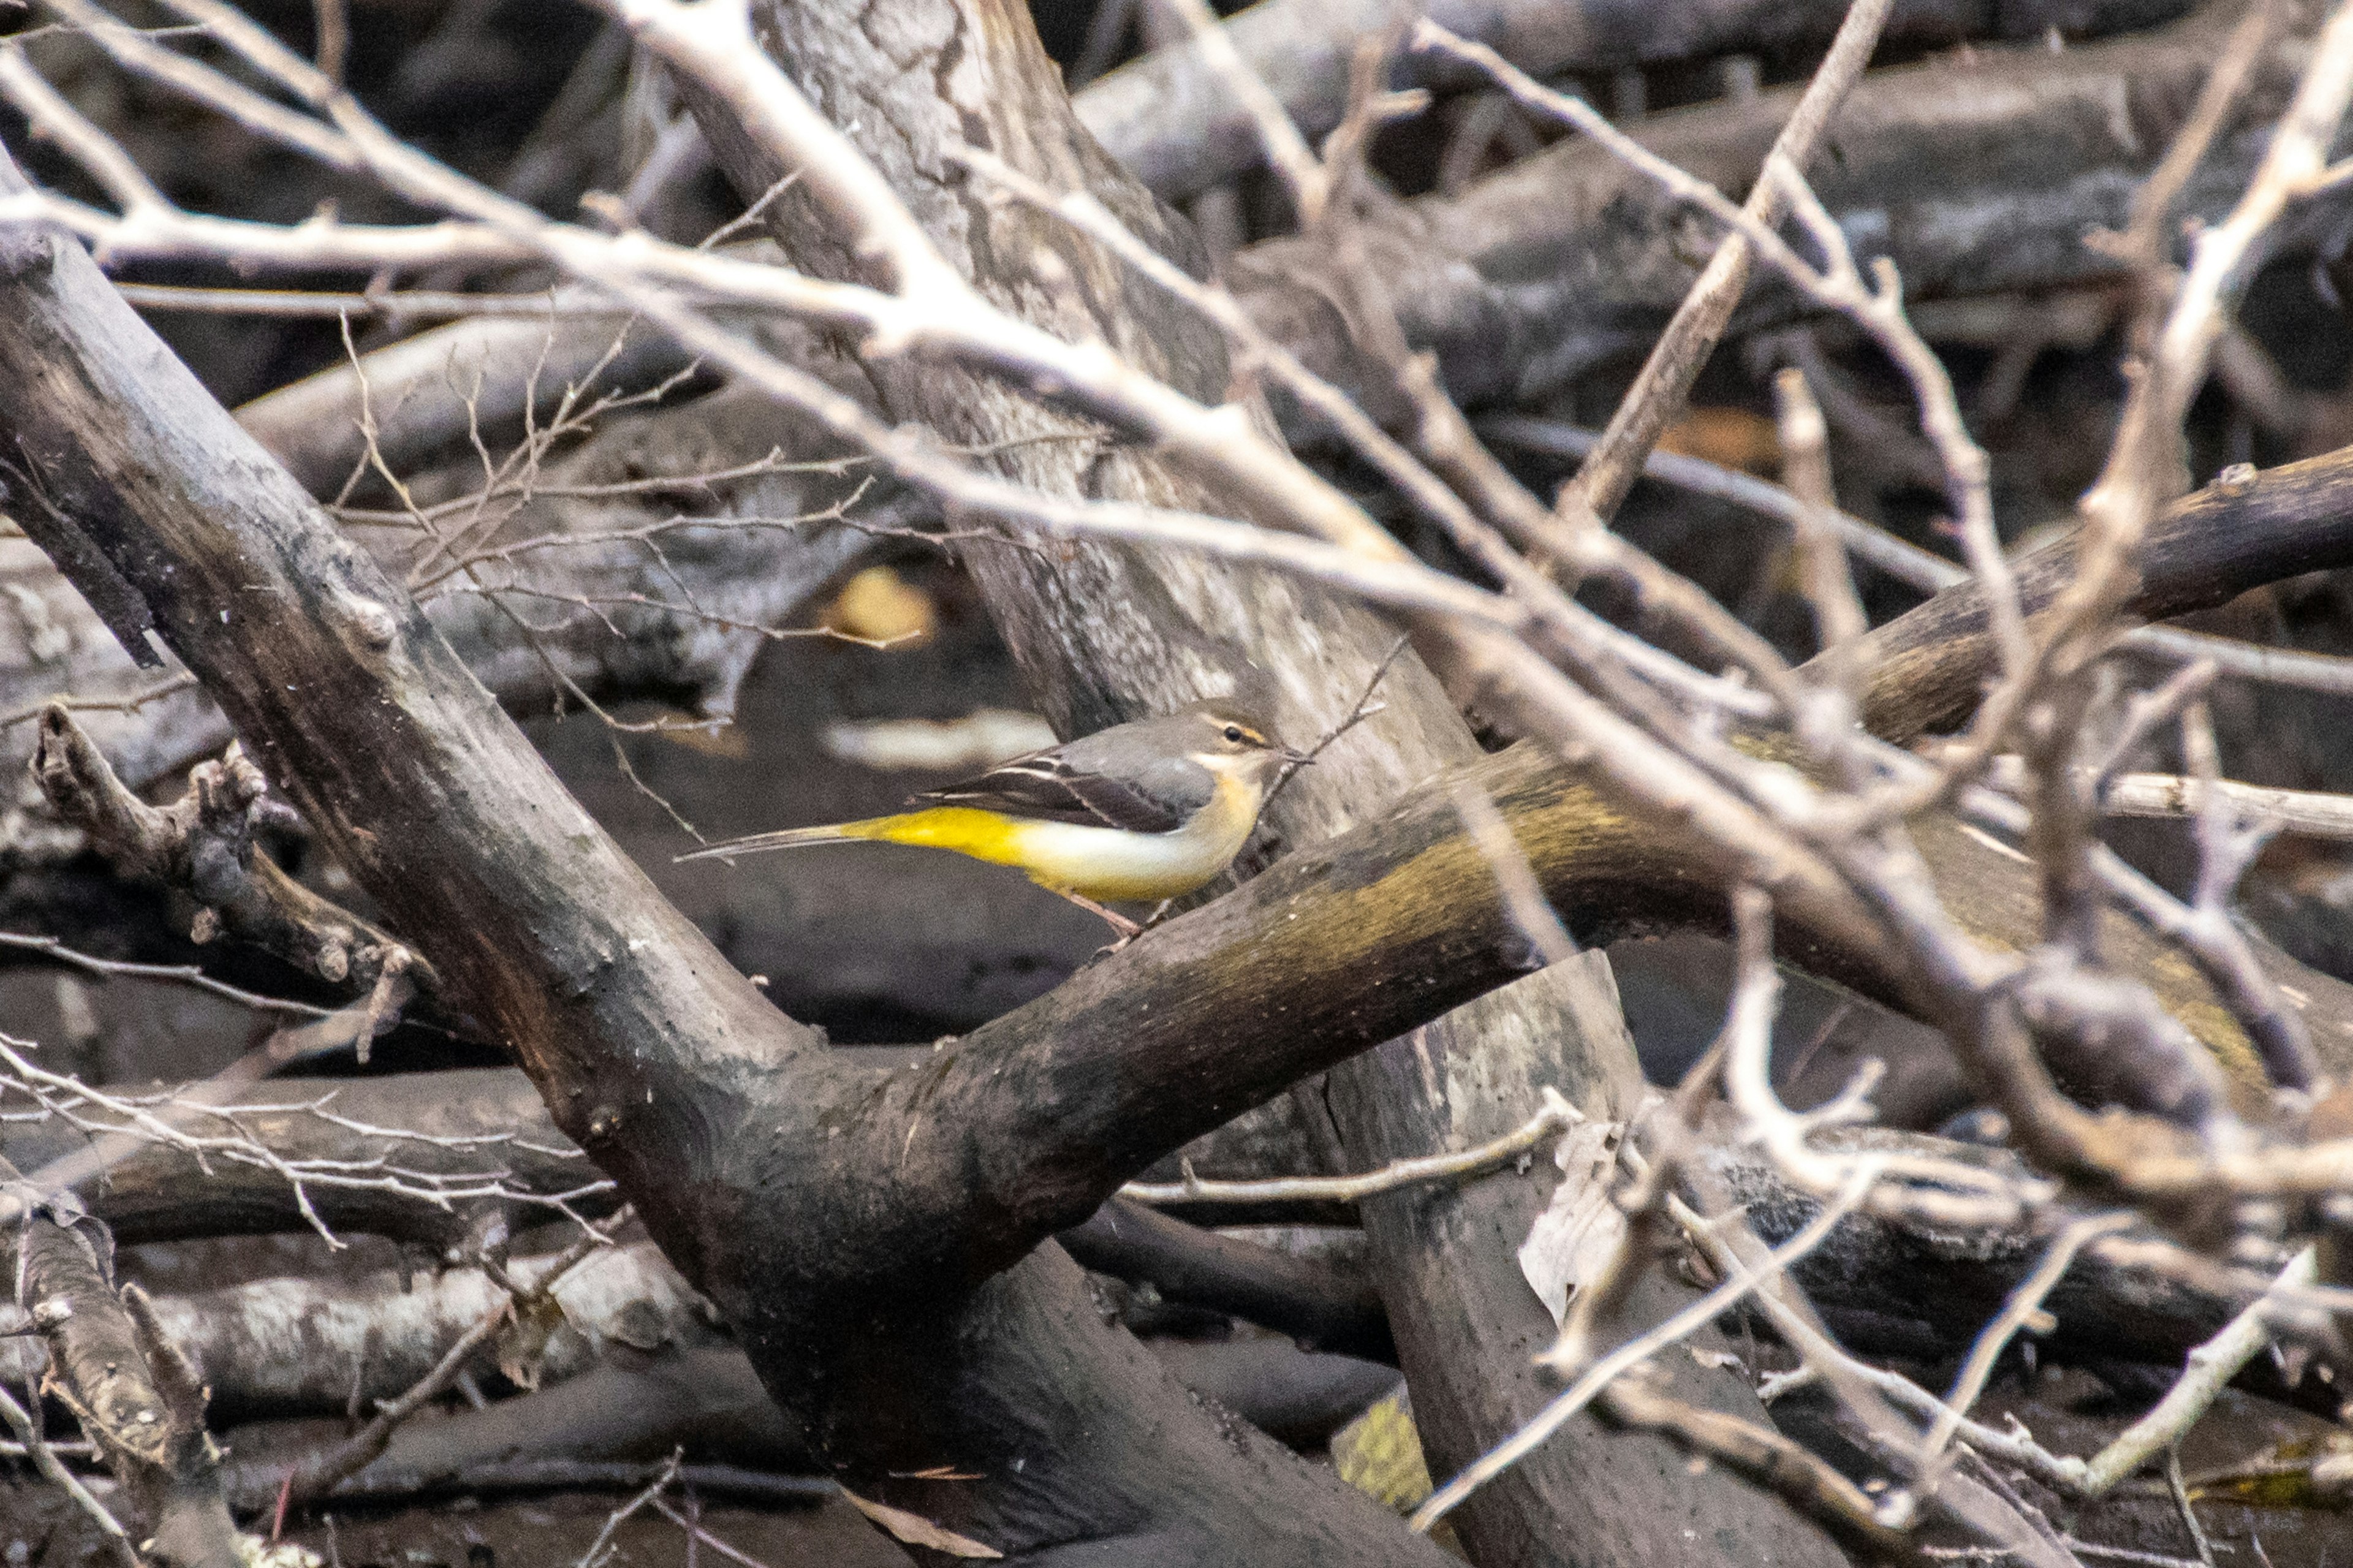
<point x="170" y="684"/>
<point x="427" y="521"/>
<point x="1524" y="904"/>
<point x="2070" y="1475"/>
<point x="2143" y="245"/>
<point x="171" y="974"/>
<point x="2021" y="1309"/>
<point x="518" y="473"/>
<point x="1556" y="1116"/>
<point x="2225" y="847"/>
<point x="2182" y="1501"/>
<point x="2143" y="470"/>
<point x="395" y="307"/>
<point x="614" y="490"/>
<point x="1218" y="443"/>
<point x="2207" y="1372"/>
<point x="2146" y="712"/>
<point x="334" y="40"/>
<point x="599" y="1553"/>
<point x="1878" y="309"/>
<point x="1605" y="1371"/>
<point x="78" y="1447"/>
<point x="646" y="534"/>
<point x="1823" y="1357"/>
<point x="1840" y="621"/>
<point x="2308" y="813"/>
<point x="1805" y="441"/>
<point x="1663" y="385"/>
<point x="1429" y="494"/>
<point x="2219" y="950"/>
<point x="62" y="1097"/>
<point x="1445" y="441"/>
<point x="703" y="39"/>
<point x="1801" y="1477"/>
<point x="1363" y="709"/>
<point x="1729" y="1242"/>
<point x="696" y="1534"/>
<point x="2129" y="1554"/>
<point x="247" y="108"/>
<point x="1303" y="174"/>
<point x="2213" y="936"/>
<point x="45" y="1459"/>
<point x="1441" y="426"/>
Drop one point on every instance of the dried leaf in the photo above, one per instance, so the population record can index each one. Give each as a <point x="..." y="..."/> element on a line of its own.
<point x="916" y="1531"/>
<point x="521" y="1345"/>
<point x="1579" y="1231"/>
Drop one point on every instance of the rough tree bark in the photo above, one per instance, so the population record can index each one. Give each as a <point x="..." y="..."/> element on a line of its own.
<point x="1105" y="635"/>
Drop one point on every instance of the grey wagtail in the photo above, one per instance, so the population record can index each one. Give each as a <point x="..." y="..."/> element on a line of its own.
<point x="1141" y="811"/>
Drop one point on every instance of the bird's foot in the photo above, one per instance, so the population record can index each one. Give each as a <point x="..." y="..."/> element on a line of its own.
<point x="1127" y="929"/>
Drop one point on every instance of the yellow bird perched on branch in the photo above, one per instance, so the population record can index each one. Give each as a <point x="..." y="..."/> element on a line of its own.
<point x="1143" y="811"/>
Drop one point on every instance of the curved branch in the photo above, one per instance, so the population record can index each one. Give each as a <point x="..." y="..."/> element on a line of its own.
<point x="2239" y="533"/>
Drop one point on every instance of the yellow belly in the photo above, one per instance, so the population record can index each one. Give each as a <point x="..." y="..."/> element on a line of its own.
<point x="1105" y="863"/>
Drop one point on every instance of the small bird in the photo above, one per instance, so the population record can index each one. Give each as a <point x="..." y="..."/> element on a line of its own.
<point x="1141" y="811"/>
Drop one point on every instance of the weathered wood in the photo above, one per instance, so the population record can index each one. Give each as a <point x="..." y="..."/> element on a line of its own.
<point x="1976" y="172"/>
<point x="138" y="1399"/>
<point x="1168" y="118"/>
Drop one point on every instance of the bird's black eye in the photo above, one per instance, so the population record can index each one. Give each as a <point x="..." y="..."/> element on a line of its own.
<point x="1233" y="732"/>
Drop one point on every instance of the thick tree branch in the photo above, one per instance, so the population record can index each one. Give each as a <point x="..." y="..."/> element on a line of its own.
<point x="1319" y="1303"/>
<point x="1169" y="118"/>
<point x="1569" y="259"/>
<point x="135" y="1396"/>
<point x="1925" y="670"/>
<point x="203" y="845"/>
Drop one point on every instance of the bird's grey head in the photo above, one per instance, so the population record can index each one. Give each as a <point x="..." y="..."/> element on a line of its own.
<point x="1225" y="736"/>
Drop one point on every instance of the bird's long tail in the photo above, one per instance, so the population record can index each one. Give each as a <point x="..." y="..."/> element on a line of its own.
<point x="982" y="834"/>
<point x="786" y="839"/>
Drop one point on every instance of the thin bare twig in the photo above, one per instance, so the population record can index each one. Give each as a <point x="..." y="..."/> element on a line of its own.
<point x="1663" y="383"/>
<point x="1556" y="1116"/>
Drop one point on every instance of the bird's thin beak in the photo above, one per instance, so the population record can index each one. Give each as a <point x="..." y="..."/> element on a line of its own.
<point x="1297" y="758"/>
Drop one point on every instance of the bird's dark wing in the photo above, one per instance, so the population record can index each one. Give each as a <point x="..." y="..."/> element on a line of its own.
<point x="1047" y="787"/>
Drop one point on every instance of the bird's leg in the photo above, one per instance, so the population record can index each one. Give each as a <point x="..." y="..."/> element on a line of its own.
<point x="1158" y="911"/>
<point x="1128" y="930"/>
